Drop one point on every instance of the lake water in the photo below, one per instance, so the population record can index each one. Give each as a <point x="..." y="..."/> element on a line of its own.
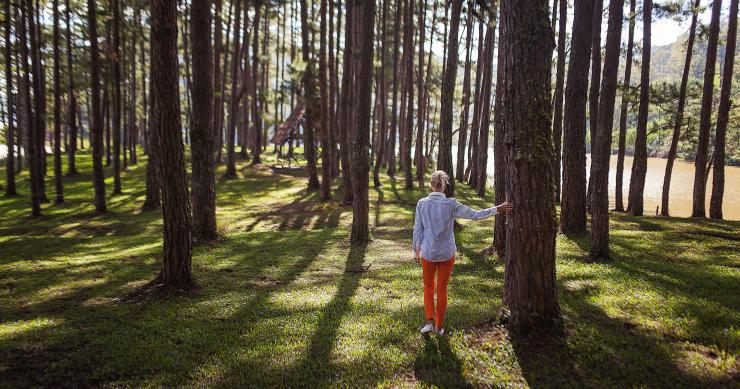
<point x="682" y="185"/>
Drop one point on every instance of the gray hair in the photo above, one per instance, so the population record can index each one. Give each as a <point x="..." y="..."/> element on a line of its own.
<point x="440" y="178"/>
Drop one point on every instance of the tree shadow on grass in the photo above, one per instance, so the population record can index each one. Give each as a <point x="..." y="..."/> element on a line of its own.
<point x="318" y="367"/>
<point x="437" y="365"/>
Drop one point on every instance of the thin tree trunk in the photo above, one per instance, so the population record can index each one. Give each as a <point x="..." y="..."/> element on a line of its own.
<point x="530" y="286"/>
<point x="463" y="131"/>
<point x="309" y="96"/>
<point x="326" y="158"/>
<point x="447" y="98"/>
<point x="153" y="193"/>
<point x="573" y="206"/>
<point x="593" y="97"/>
<point x="58" y="185"/>
<point x="204" y="177"/>
<point x="408" y="128"/>
<point x="382" y="94"/>
<point x="639" y="162"/>
<point x="230" y="133"/>
<point x="10" y="137"/>
<point x="618" y="192"/>
<point x="602" y="136"/>
<point x="257" y="110"/>
<point x="345" y="117"/>
<point x="485" y="113"/>
<point x="332" y="95"/>
<point x="664" y="211"/>
<point x="25" y="122"/>
<point x="475" y="126"/>
<point x="394" y="110"/>
<point x="718" y="178"/>
<point x="38" y="120"/>
<point x="176" y="266"/>
<point x="116" y="63"/>
<point x="557" y="125"/>
<point x="96" y="123"/>
<point x="360" y="163"/>
<point x="700" y="184"/>
<point x="71" y="99"/>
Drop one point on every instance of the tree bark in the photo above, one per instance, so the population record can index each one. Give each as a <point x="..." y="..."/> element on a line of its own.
<point x="718" y="178"/>
<point x="557" y="125"/>
<point x="230" y="132"/>
<point x="360" y="150"/>
<point x="573" y="206"/>
<point x="485" y="112"/>
<point x="345" y="117"/>
<point x="309" y="97"/>
<point x="204" y="178"/>
<point x="700" y="184"/>
<point x="530" y="286"/>
<point x="10" y="159"/>
<point x="408" y="128"/>
<point x="420" y="124"/>
<point x="256" y="106"/>
<point x="58" y="185"/>
<point x="475" y="126"/>
<point x="446" y="99"/>
<point x="116" y="64"/>
<point x="639" y="162"/>
<point x="96" y="124"/>
<point x="71" y="99"/>
<point x="153" y="199"/>
<point x="593" y="97"/>
<point x="326" y="157"/>
<point x="382" y="94"/>
<point x="394" y="109"/>
<point x="463" y="131"/>
<point x="602" y="136"/>
<point x="619" y="204"/>
<point x="679" y="113"/>
<point x="176" y="269"/>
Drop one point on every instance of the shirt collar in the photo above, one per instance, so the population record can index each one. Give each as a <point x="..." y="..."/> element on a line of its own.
<point x="436" y="194"/>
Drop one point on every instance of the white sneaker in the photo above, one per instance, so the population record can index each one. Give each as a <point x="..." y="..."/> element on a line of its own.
<point x="427" y="328"/>
<point x="441" y="332"/>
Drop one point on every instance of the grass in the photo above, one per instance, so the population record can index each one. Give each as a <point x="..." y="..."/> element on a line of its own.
<point x="285" y="300"/>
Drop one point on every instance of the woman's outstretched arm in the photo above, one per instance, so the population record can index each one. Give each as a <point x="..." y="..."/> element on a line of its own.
<point x="462" y="211"/>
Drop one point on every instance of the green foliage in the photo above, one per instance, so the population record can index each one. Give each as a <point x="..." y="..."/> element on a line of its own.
<point x="284" y="300"/>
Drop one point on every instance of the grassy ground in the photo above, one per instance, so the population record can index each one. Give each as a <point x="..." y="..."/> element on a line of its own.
<point x="284" y="300"/>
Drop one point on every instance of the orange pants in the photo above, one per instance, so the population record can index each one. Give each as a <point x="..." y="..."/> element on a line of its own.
<point x="442" y="270"/>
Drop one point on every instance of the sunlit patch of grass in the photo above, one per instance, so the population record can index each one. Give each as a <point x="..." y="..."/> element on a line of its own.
<point x="283" y="299"/>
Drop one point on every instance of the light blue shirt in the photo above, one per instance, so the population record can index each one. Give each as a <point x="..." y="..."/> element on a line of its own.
<point x="434" y="223"/>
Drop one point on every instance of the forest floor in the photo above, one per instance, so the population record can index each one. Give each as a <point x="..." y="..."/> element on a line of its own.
<point x="284" y="300"/>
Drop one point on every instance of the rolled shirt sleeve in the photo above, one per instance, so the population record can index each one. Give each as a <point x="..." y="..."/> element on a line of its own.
<point x="462" y="211"/>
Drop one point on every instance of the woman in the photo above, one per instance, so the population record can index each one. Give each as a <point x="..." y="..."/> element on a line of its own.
<point x="434" y="244"/>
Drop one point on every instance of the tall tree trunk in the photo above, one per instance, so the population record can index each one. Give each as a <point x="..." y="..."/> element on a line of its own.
<point x="58" y="185"/>
<point x="718" y="178"/>
<point x="557" y="125"/>
<point x="217" y="92"/>
<point x="10" y="137"/>
<point x="602" y="136"/>
<point x="309" y="95"/>
<point x="447" y="98"/>
<point x="394" y="110"/>
<point x="26" y="118"/>
<point x="38" y="119"/>
<point x="326" y="158"/>
<point x="346" y="117"/>
<point x="132" y="80"/>
<point x="96" y="123"/>
<point x="116" y="63"/>
<point x="639" y="162"/>
<point x="573" y="206"/>
<point x="234" y="104"/>
<point x="382" y="94"/>
<point x="530" y="286"/>
<point x="332" y="95"/>
<point x="152" y="200"/>
<point x="409" y="64"/>
<point x="256" y="107"/>
<point x="700" y="184"/>
<point x="176" y="267"/>
<point x="365" y="9"/>
<point x="204" y="177"/>
<point x="463" y="131"/>
<point x="485" y="119"/>
<point x="593" y="97"/>
<point x="619" y="203"/>
<point x="679" y="113"/>
<point x="71" y="99"/>
<point x="500" y="151"/>
<point x="419" y="148"/>
<point x="475" y="126"/>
